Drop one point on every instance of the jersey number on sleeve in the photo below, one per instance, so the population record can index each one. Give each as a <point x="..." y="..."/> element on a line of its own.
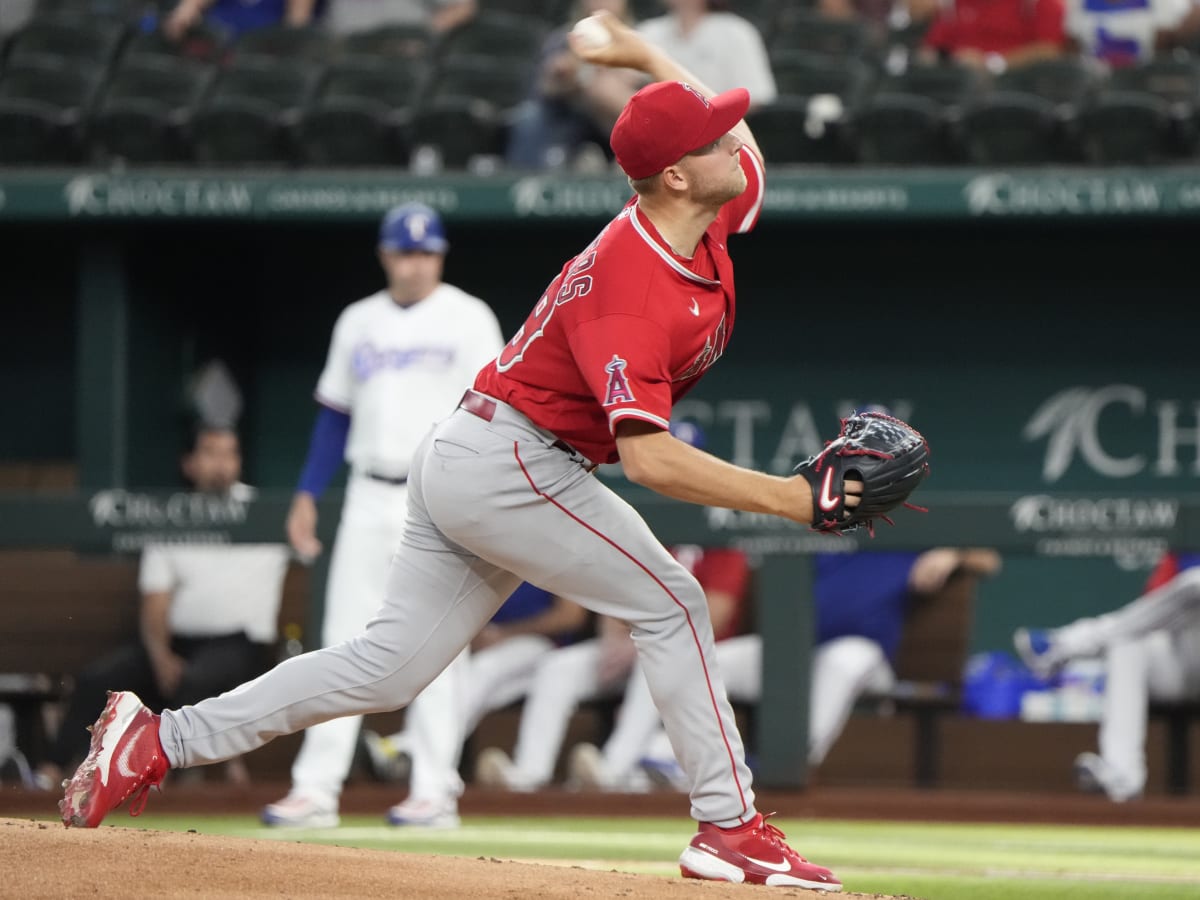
<point x="575" y="283"/>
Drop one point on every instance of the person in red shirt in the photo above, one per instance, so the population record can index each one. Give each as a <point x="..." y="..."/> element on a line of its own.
<point x="996" y="34"/>
<point x="501" y="491"/>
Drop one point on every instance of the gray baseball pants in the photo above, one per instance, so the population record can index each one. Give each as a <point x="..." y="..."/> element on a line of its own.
<point x="494" y="500"/>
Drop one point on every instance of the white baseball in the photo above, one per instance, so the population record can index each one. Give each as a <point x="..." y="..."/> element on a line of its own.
<point x="591" y="33"/>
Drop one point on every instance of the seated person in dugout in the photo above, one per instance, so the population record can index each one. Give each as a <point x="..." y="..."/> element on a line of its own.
<point x="207" y="620"/>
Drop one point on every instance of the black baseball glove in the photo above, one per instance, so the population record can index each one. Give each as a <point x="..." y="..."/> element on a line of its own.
<point x="888" y="456"/>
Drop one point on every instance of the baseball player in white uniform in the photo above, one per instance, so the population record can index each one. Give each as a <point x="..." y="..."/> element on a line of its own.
<point x="1151" y="651"/>
<point x="398" y="361"/>
<point x="505" y="660"/>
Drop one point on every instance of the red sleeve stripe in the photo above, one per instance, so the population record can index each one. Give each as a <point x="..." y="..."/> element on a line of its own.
<point x="618" y="414"/>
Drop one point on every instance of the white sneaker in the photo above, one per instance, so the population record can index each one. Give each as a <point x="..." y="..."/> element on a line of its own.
<point x="494" y="769"/>
<point x="301" y="811"/>
<point x="586" y="769"/>
<point x="425" y="814"/>
<point x="1094" y="775"/>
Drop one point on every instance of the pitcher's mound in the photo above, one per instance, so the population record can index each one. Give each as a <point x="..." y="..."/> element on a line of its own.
<point x="44" y="860"/>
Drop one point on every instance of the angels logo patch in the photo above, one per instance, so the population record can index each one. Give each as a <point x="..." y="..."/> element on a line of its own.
<point x="699" y="96"/>
<point x="618" y="390"/>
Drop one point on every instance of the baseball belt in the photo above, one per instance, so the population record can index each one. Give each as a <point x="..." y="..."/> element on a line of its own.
<point x="485" y="407"/>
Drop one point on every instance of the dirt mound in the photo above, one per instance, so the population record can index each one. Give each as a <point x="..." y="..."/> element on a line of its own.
<point x="44" y="861"/>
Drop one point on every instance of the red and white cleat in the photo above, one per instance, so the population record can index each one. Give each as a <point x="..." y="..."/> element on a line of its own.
<point x="125" y="758"/>
<point x="755" y="853"/>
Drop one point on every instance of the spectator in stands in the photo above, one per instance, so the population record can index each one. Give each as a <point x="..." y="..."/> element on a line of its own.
<point x="207" y="621"/>
<point x="719" y="47"/>
<point x="861" y="602"/>
<point x="344" y="16"/>
<point x="232" y="17"/>
<point x="571" y="105"/>
<point x="1151" y="649"/>
<point x="1120" y="33"/>
<point x="603" y="667"/>
<point x="995" y="35"/>
<point x="504" y="658"/>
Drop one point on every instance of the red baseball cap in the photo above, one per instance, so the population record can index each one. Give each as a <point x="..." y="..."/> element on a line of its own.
<point x="665" y="121"/>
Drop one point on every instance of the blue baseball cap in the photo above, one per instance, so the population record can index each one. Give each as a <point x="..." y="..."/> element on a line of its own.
<point x="413" y="227"/>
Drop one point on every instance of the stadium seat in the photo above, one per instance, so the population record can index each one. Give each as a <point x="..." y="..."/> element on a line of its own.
<point x="391" y="41"/>
<point x="797" y="28"/>
<point x="1174" y="78"/>
<point x="350" y="131"/>
<point x="175" y="83"/>
<point x="501" y="82"/>
<point x="1000" y="128"/>
<point x="46" y="96"/>
<point x="900" y="129"/>
<point x="1123" y="127"/>
<point x="548" y="11"/>
<point x="201" y="42"/>
<point x="453" y="130"/>
<point x="802" y="75"/>
<point x="93" y="41"/>
<point x="496" y="35"/>
<point x="286" y="84"/>
<point x="392" y="81"/>
<point x="314" y="43"/>
<point x="124" y="10"/>
<point x="134" y="130"/>
<point x="788" y="133"/>
<point x="1068" y="81"/>
<point x="762" y="13"/>
<point x="948" y="83"/>
<point x="238" y="131"/>
<point x="48" y="79"/>
<point x="143" y="107"/>
<point x="31" y="133"/>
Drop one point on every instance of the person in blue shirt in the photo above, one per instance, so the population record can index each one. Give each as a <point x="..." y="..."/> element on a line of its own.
<point x="232" y="17"/>
<point x="1151" y="650"/>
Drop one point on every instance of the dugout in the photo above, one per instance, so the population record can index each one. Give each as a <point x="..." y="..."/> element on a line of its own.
<point x="1019" y="319"/>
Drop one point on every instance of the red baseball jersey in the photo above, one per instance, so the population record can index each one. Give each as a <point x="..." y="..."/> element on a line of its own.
<point x="626" y="328"/>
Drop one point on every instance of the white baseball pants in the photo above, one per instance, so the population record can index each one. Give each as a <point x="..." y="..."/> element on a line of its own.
<point x="1152" y="652"/>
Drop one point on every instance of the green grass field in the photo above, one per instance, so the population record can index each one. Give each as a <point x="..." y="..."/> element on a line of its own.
<point x="930" y="861"/>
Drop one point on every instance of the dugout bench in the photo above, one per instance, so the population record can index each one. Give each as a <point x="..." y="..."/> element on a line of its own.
<point x="1178" y="718"/>
<point x="61" y="611"/>
<point x="929" y="669"/>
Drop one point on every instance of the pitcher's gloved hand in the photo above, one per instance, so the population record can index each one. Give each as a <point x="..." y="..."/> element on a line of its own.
<point x="877" y="458"/>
